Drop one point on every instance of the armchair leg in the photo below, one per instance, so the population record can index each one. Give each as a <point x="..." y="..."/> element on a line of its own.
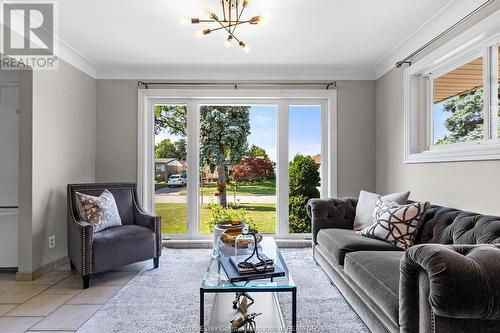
<point x="86" y="281"/>
<point x="71" y="265"/>
<point x="156" y="262"/>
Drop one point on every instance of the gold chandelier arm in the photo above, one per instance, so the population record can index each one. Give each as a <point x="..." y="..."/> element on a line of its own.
<point x="225" y="28"/>
<point x="223" y="9"/>
<point x="238" y="17"/>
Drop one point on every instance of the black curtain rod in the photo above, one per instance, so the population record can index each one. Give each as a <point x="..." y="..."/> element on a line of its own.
<point x="408" y="59"/>
<point x="327" y="85"/>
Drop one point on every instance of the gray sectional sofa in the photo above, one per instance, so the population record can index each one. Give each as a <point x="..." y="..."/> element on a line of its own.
<point x="448" y="282"/>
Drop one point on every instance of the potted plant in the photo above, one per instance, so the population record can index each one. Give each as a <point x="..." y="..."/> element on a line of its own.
<point x="221" y="219"/>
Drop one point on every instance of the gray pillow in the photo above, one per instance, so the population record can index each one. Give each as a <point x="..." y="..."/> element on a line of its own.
<point x="366" y="206"/>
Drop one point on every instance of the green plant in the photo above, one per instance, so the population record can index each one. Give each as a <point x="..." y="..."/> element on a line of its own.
<point x="304" y="179"/>
<point x="218" y="214"/>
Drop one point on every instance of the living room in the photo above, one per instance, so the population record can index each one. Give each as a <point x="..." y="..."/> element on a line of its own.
<point x="249" y="166"/>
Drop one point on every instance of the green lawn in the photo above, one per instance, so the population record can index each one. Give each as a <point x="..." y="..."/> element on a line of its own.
<point x="247" y="188"/>
<point x="174" y="217"/>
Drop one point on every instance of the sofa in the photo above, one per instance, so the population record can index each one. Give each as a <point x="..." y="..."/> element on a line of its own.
<point x="449" y="281"/>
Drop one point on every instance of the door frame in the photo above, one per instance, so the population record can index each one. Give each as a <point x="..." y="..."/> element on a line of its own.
<point x="282" y="98"/>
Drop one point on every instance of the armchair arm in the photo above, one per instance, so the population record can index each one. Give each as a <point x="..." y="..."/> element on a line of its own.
<point x="331" y="213"/>
<point x="462" y="282"/>
<point x="80" y="241"/>
<point x="151" y="222"/>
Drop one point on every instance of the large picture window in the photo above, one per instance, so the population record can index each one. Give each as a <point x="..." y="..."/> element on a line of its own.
<point x="259" y="158"/>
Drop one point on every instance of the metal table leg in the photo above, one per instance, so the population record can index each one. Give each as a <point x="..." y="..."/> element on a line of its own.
<point x="202" y="311"/>
<point x="294" y="310"/>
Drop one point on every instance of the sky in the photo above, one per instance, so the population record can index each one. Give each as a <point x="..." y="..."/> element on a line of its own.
<point x="304" y="130"/>
<point x="439" y="117"/>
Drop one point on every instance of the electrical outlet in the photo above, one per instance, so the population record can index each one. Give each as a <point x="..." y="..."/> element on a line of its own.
<point x="52" y="241"/>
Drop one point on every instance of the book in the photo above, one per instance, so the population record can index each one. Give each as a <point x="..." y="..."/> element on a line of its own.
<point x="234" y="276"/>
<point x="235" y="260"/>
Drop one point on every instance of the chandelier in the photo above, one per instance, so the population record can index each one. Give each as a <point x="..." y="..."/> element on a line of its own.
<point x="228" y="21"/>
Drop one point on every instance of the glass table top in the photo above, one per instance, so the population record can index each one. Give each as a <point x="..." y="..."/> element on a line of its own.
<point x="215" y="277"/>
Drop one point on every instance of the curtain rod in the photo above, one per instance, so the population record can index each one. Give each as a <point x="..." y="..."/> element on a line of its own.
<point x="408" y="59"/>
<point x="327" y="85"/>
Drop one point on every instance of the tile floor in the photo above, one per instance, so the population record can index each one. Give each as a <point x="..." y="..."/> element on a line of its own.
<point x="56" y="301"/>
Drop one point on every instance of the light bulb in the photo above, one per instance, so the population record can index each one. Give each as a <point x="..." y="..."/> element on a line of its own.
<point x="228" y="41"/>
<point x="184" y="21"/>
<point x="246" y="49"/>
<point x="199" y="33"/>
<point x="264" y="19"/>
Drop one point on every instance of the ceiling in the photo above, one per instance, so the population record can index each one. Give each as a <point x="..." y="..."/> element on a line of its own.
<point x="119" y="33"/>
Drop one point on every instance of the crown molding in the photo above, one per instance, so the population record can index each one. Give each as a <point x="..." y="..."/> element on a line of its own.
<point x="236" y="72"/>
<point x="442" y="20"/>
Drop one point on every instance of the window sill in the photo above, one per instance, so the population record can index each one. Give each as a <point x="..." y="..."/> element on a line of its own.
<point x="472" y="152"/>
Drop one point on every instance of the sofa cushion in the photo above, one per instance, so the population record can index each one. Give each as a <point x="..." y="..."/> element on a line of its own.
<point x="122" y="245"/>
<point x="338" y="242"/>
<point x="366" y="206"/>
<point x="377" y="274"/>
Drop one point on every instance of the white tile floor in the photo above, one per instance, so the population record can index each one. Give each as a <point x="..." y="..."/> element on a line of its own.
<point x="56" y="301"/>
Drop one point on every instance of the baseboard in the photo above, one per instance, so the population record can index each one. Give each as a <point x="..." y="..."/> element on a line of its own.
<point x="50" y="267"/>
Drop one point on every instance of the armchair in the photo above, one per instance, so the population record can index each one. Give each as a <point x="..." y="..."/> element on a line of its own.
<point x="138" y="239"/>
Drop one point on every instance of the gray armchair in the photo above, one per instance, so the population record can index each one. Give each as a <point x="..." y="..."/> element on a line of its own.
<point x="138" y="239"/>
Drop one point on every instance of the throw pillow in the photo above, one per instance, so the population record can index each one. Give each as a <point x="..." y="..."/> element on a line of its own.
<point x="396" y="224"/>
<point x="366" y="205"/>
<point x="101" y="212"/>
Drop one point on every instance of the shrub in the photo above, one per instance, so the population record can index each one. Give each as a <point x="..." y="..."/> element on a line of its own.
<point x="303" y="174"/>
<point x="252" y="168"/>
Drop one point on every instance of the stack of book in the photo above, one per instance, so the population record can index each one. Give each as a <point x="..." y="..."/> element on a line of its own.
<point x="235" y="273"/>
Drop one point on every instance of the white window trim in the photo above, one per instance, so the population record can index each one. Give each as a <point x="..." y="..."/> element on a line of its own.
<point x="418" y="138"/>
<point x="147" y="98"/>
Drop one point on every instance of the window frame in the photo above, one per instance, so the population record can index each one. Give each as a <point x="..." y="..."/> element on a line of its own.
<point x="193" y="99"/>
<point x="419" y="106"/>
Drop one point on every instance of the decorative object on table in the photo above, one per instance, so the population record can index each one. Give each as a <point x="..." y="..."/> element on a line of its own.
<point x="247" y="322"/>
<point x="255" y="262"/>
<point x="230" y="18"/>
<point x="245" y="243"/>
<point x="250" y="267"/>
<point x="228" y="237"/>
<point x="241" y="301"/>
<point x="396" y="224"/>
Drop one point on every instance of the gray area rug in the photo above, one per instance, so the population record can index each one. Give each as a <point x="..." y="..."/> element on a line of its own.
<point x="167" y="299"/>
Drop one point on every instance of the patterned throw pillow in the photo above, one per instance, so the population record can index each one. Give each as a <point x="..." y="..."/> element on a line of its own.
<point x="101" y="212"/>
<point x="396" y="224"/>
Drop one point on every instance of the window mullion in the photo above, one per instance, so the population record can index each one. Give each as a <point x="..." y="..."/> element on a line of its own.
<point x="493" y="90"/>
<point x="487" y="116"/>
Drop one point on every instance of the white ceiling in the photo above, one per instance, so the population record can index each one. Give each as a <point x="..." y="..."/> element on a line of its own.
<point x="119" y="33"/>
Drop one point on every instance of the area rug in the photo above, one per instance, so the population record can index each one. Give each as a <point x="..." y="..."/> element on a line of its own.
<point x="167" y="299"/>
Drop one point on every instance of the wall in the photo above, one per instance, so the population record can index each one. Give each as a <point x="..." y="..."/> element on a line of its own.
<point x="465" y="185"/>
<point x="116" y="148"/>
<point x="63" y="151"/>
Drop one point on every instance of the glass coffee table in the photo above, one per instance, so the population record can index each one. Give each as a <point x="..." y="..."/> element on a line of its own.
<point x="263" y="291"/>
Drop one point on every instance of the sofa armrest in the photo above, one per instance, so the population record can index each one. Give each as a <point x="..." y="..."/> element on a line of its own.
<point x="462" y="282"/>
<point x="80" y="244"/>
<point x="331" y="213"/>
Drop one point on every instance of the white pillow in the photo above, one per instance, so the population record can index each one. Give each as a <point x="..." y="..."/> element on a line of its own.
<point x="366" y="206"/>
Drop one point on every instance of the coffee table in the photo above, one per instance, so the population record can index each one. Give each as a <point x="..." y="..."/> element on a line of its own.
<point x="263" y="291"/>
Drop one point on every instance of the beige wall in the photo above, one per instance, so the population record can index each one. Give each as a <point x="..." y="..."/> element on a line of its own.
<point x="63" y="151"/>
<point x="465" y="185"/>
<point x="116" y="148"/>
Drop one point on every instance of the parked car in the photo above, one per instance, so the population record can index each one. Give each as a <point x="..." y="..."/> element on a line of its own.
<point x="176" y="180"/>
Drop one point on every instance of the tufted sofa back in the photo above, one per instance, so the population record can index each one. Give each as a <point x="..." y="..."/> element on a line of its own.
<point x="451" y="226"/>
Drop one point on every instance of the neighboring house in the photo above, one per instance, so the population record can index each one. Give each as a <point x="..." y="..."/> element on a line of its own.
<point x="164" y="167"/>
<point x="317" y="159"/>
